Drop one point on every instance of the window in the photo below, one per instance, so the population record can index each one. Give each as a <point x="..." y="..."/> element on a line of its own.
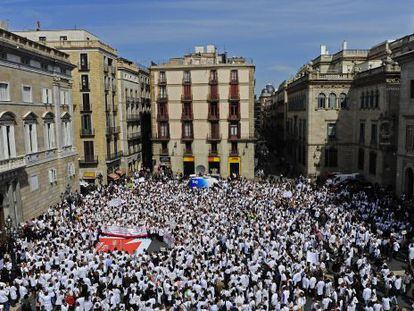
<point x="164" y="129"/>
<point x="86" y="103"/>
<point x="163" y="92"/>
<point x="49" y="135"/>
<point x="64" y="97"/>
<point x="187" y="129"/>
<point x="162" y="77"/>
<point x="374" y="134"/>
<point x="343" y="101"/>
<point x="31" y="137"/>
<point x="321" y="101"/>
<point x="371" y="99"/>
<point x="52" y="175"/>
<point x="213" y="76"/>
<point x="27" y="94"/>
<point x="71" y="169"/>
<point x="187" y="77"/>
<point x="412" y="89"/>
<point x="376" y="101"/>
<point x="46" y="96"/>
<point x="234" y="147"/>
<point x="331" y="128"/>
<point x="234" y="76"/>
<point x="372" y="162"/>
<point x="234" y="130"/>
<point x="332" y="101"/>
<point x="409" y="138"/>
<point x="66" y="129"/>
<point x="86" y="124"/>
<point x="7" y="141"/>
<point x="362" y="132"/>
<point x="361" y="158"/>
<point x="84" y="82"/>
<point x="83" y="61"/>
<point x="234" y="109"/>
<point x="4" y="92"/>
<point x="362" y="103"/>
<point x="42" y="39"/>
<point x="63" y="38"/>
<point x="331" y="157"/>
<point x="34" y="182"/>
<point x="88" y="151"/>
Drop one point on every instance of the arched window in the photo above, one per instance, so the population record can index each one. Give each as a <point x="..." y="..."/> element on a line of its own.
<point x="332" y="101"/>
<point x="30" y="132"/>
<point x="362" y="102"/>
<point x="49" y="130"/>
<point x="376" y="99"/>
<point x="343" y="101"/>
<point x="321" y="101"/>
<point x="7" y="140"/>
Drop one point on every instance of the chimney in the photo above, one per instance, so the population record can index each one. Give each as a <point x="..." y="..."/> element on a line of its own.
<point x="4" y="25"/>
<point x="344" y="45"/>
<point x="323" y="49"/>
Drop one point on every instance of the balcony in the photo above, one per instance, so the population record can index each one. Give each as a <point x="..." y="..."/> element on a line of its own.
<point x="114" y="156"/>
<point x="234" y="153"/>
<point x="12" y="164"/>
<point x="213" y="137"/>
<point x="213" y="153"/>
<point x="162" y="80"/>
<point x="161" y="138"/>
<point x="213" y="81"/>
<point x="234" y="82"/>
<point x="213" y="115"/>
<point x="234" y="117"/>
<point x="234" y="96"/>
<point x="186" y="98"/>
<point x="162" y="117"/>
<point x="187" y="152"/>
<point x="87" y="133"/>
<point x="106" y="67"/>
<point x="84" y="67"/>
<point x="133" y="136"/>
<point x="187" y="138"/>
<point x="162" y="99"/>
<point x="84" y="87"/>
<point x="89" y="160"/>
<point x="133" y="117"/>
<point x="86" y="109"/>
<point x="112" y="130"/>
<point x="213" y="97"/>
<point x="113" y="69"/>
<point x="164" y="151"/>
<point x="187" y="116"/>
<point x="234" y="137"/>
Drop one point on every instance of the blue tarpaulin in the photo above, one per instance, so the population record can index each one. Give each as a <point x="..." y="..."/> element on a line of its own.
<point x="201" y="182"/>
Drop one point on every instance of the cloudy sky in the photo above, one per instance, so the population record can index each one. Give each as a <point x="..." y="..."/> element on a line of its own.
<point x="279" y="35"/>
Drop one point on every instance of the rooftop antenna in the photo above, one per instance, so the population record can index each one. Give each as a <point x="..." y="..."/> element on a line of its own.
<point x="37" y="25"/>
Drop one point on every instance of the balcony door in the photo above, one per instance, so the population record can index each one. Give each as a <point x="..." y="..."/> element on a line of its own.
<point x="88" y="150"/>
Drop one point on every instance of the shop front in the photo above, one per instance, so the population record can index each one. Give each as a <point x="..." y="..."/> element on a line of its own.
<point x="234" y="165"/>
<point x="188" y="166"/>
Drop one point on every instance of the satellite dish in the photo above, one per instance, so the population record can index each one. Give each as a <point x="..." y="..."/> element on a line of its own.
<point x="200" y="169"/>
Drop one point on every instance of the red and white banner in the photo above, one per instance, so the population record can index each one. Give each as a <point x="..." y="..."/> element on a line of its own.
<point x="124" y="232"/>
<point x="130" y="245"/>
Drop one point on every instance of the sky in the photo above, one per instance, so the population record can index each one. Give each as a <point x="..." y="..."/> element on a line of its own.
<point x="279" y="36"/>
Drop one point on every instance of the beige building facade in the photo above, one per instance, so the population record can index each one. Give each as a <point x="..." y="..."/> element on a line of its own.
<point x="203" y="114"/>
<point x="134" y="108"/>
<point x="95" y="100"/>
<point x="38" y="159"/>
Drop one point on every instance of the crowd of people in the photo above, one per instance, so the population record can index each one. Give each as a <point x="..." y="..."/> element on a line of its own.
<point x="240" y="245"/>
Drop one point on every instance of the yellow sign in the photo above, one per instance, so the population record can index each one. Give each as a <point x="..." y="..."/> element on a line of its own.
<point x="89" y="175"/>
<point x="188" y="159"/>
<point x="213" y="159"/>
<point x="234" y="159"/>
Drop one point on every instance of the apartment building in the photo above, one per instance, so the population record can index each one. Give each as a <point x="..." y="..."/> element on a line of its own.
<point x="95" y="100"/>
<point x="405" y="153"/>
<point x="38" y="159"/>
<point x="135" y="109"/>
<point x="203" y="114"/>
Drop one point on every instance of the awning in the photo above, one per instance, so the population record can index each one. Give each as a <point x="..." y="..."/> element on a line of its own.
<point x="113" y="176"/>
<point x="120" y="172"/>
<point x="89" y="175"/>
<point x="188" y="159"/>
<point x="213" y="159"/>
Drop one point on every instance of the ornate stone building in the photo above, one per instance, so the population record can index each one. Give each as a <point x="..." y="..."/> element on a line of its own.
<point x="95" y="100"/>
<point x="203" y="114"/>
<point x="38" y="160"/>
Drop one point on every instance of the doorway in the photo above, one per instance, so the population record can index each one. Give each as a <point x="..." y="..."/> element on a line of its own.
<point x="409" y="182"/>
<point x="188" y="168"/>
<point x="235" y="169"/>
